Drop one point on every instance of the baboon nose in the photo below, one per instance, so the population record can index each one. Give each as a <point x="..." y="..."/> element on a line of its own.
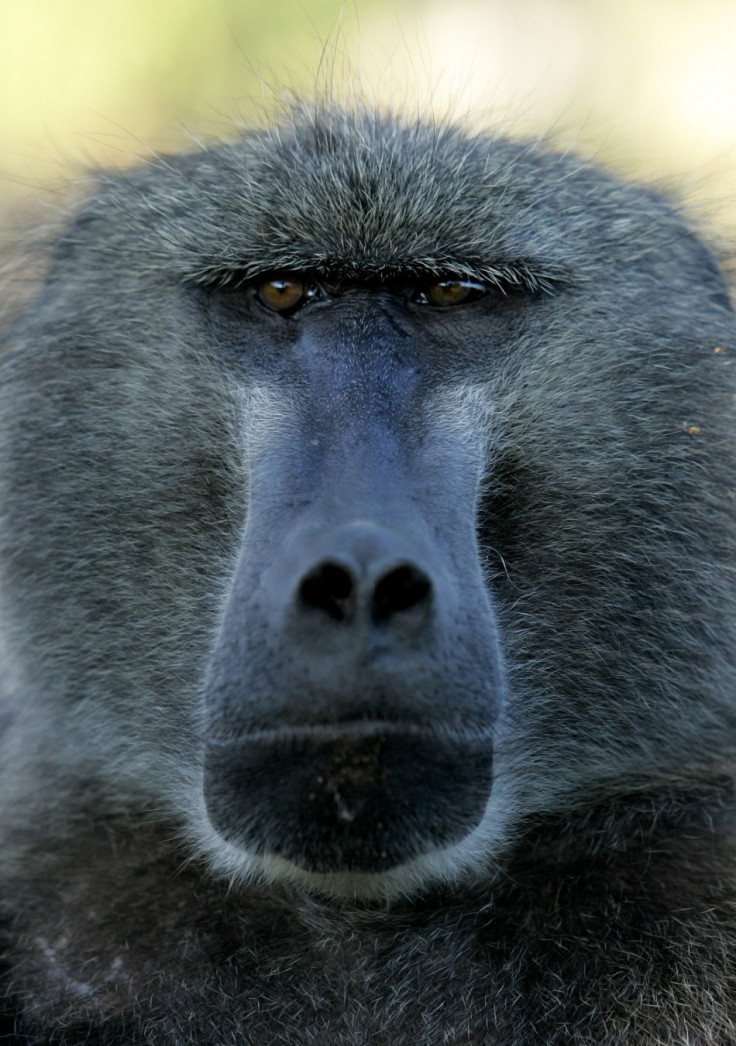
<point x="330" y="587"/>
<point x="403" y="588"/>
<point x="345" y="589"/>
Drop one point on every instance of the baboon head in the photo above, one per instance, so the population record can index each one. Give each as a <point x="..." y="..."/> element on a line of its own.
<point x="362" y="496"/>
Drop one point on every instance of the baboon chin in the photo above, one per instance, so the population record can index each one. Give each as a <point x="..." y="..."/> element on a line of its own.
<point x="367" y="603"/>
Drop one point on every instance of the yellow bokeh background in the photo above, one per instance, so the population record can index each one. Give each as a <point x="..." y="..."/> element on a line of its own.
<point x="649" y="85"/>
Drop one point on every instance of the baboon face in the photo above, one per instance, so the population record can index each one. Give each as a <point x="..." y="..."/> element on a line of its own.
<point x="347" y="494"/>
<point x="356" y="678"/>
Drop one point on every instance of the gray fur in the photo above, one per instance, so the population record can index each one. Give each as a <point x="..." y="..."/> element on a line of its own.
<point x="586" y="433"/>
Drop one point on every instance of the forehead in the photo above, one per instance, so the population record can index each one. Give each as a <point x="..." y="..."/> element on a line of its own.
<point x="368" y="196"/>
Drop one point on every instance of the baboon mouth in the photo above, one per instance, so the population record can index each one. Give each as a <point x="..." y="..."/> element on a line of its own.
<point x="353" y="730"/>
<point x="364" y="796"/>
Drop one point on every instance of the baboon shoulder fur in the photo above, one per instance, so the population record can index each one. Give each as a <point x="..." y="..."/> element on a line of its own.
<point x="367" y="604"/>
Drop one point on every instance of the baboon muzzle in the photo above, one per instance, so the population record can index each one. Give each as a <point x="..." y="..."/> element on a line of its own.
<point x="356" y="677"/>
<point x="352" y="697"/>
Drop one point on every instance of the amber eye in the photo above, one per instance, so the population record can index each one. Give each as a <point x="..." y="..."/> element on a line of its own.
<point x="451" y="292"/>
<point x="282" y="293"/>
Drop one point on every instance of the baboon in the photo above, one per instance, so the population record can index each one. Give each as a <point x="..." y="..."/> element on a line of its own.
<point x="367" y="603"/>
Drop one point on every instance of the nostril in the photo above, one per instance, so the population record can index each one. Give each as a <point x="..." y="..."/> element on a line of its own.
<point x="401" y="589"/>
<point x="329" y="587"/>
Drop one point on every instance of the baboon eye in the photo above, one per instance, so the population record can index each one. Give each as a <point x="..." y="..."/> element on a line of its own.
<point x="450" y="292"/>
<point x="283" y="293"/>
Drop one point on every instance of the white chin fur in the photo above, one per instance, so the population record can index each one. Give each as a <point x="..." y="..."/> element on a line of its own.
<point x="444" y="866"/>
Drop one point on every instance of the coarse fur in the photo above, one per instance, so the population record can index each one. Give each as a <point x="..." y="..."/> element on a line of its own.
<point x="368" y="664"/>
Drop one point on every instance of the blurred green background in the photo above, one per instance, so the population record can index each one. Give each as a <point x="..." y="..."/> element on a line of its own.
<point x="650" y="85"/>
